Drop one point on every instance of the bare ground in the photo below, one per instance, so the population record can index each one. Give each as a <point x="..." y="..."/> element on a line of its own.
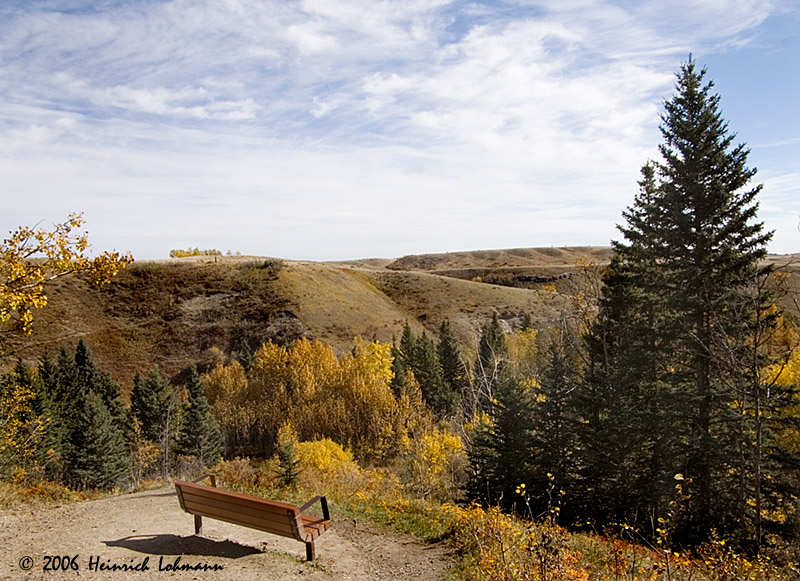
<point x="149" y="527"/>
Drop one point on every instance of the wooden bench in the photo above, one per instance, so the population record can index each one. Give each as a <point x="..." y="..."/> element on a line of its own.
<point x="271" y="516"/>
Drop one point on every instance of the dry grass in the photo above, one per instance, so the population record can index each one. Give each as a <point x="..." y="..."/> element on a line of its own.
<point x="173" y="313"/>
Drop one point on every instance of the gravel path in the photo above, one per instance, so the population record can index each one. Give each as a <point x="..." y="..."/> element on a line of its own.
<point x="146" y="533"/>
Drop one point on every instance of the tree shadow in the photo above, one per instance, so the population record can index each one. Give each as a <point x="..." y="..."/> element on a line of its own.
<point x="175" y="545"/>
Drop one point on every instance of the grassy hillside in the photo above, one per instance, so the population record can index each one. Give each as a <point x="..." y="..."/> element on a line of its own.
<point x="174" y="313"/>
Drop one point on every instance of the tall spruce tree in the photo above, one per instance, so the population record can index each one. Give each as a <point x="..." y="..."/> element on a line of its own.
<point x="454" y="372"/>
<point x="428" y="373"/>
<point x="101" y="459"/>
<point x="502" y="451"/>
<point x="155" y="406"/>
<point x="199" y="435"/>
<point x="554" y="436"/>
<point x="692" y="247"/>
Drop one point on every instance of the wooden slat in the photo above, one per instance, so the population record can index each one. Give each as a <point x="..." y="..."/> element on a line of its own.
<point x="253" y="510"/>
<point x="198" y="507"/>
<point x="234" y="497"/>
<point x="285" y="529"/>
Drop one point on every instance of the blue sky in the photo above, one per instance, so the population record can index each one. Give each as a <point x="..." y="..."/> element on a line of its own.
<point x="330" y="129"/>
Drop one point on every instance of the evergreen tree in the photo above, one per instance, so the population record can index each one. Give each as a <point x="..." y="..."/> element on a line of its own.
<point x="501" y="452"/>
<point x="554" y="435"/>
<point x="399" y="383"/>
<point x="85" y="420"/>
<point x="692" y="247"/>
<point x="246" y="355"/>
<point x="428" y="373"/>
<point x="91" y="379"/>
<point x="155" y="406"/>
<point x="454" y="372"/>
<point x="491" y="364"/>
<point x="420" y="356"/>
<point x="288" y="464"/>
<point x="407" y="346"/>
<point x="629" y="449"/>
<point x="101" y="458"/>
<point x="51" y="447"/>
<point x="199" y="435"/>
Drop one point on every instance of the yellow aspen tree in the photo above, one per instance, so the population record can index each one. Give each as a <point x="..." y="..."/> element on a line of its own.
<point x="227" y="394"/>
<point x="30" y="258"/>
<point x="523" y="355"/>
<point x="267" y="392"/>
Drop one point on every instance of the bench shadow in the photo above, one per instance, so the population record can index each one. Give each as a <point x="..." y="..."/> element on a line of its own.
<point x="176" y="545"/>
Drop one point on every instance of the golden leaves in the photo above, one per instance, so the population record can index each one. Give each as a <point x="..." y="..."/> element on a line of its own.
<point x="30" y="258"/>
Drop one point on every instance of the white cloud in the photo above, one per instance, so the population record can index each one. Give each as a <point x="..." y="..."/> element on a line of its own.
<point x="317" y="127"/>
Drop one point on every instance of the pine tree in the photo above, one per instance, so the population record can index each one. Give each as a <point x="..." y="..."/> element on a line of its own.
<point x="199" y="435"/>
<point x="428" y="373"/>
<point x="155" y="406"/>
<point x="454" y="372"/>
<point x="692" y="248"/>
<point x="101" y="458"/>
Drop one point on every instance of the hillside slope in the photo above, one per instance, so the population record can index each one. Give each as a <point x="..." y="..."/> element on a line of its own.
<point x="177" y="313"/>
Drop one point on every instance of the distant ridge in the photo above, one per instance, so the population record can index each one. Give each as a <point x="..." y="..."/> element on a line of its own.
<point x="500" y="258"/>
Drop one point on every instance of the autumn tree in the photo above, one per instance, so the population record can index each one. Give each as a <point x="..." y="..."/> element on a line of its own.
<point x="22" y="423"/>
<point x="32" y="257"/>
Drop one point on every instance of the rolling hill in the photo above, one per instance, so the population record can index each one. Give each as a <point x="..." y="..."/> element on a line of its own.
<point x="180" y="312"/>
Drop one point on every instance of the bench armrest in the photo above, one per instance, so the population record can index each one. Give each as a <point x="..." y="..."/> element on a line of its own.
<point x="206" y="475"/>
<point x="323" y="502"/>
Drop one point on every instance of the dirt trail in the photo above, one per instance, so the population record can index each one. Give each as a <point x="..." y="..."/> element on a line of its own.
<point x="148" y="529"/>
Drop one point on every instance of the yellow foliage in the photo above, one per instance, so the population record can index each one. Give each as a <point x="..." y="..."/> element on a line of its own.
<point x="20" y="429"/>
<point x="325" y="457"/>
<point x="178" y="253"/>
<point x="287" y="434"/>
<point x="347" y="399"/>
<point x="435" y="464"/>
<point x="326" y="466"/>
<point x="523" y="354"/>
<point x="228" y="392"/>
<point x="32" y="257"/>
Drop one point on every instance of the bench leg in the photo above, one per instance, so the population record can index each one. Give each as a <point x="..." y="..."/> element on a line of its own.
<point x="311" y="552"/>
<point x="198" y="524"/>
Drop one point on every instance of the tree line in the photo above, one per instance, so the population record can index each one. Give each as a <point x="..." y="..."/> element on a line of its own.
<point x="65" y="420"/>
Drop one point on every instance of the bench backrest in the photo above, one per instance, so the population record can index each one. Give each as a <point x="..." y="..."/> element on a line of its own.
<point x="272" y="516"/>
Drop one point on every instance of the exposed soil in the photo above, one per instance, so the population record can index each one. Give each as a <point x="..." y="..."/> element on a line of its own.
<point x="149" y="527"/>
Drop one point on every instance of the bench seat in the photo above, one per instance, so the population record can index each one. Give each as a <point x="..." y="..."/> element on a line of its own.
<point x="270" y="516"/>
